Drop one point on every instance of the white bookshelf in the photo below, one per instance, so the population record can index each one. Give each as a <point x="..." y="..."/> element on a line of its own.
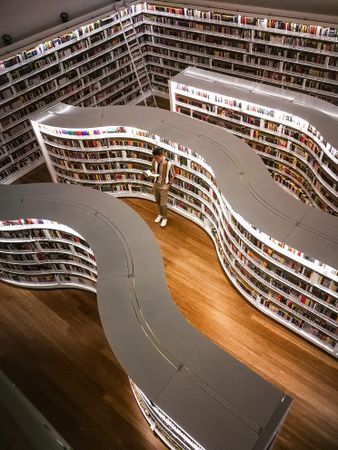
<point x="284" y="52"/>
<point x="301" y="155"/>
<point x="98" y="63"/>
<point x="288" y="284"/>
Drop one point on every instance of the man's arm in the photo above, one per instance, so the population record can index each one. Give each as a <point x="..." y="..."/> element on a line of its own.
<point x="173" y="175"/>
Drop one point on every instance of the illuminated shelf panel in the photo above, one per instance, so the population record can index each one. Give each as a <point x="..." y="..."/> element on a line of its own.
<point x="90" y="63"/>
<point x="286" y="284"/>
<point x="241" y="405"/>
<point x="44" y="254"/>
<point x="296" y="152"/>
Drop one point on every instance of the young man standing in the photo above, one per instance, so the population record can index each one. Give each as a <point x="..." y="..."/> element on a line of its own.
<point x="165" y="170"/>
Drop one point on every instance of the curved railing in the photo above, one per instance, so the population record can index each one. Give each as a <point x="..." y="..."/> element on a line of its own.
<point x="174" y="366"/>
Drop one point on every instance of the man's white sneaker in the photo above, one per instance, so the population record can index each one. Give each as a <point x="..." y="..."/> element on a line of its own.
<point x="158" y="219"/>
<point x="164" y="223"/>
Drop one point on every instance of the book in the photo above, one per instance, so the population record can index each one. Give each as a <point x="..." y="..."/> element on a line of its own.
<point x="149" y="173"/>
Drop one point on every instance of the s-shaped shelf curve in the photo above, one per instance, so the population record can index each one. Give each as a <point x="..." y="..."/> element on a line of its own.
<point x="214" y="398"/>
<point x="279" y="253"/>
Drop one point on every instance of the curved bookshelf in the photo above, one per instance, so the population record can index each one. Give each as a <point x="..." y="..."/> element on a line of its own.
<point x="293" y="283"/>
<point x="177" y="374"/>
<point x="299" y="155"/>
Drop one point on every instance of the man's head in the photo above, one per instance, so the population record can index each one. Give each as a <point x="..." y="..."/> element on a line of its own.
<point x="158" y="154"/>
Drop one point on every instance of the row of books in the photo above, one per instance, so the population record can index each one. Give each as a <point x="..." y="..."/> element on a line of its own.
<point x="33" y="254"/>
<point x="234" y="42"/>
<point x="254" y="286"/>
<point x="171" y="49"/>
<point x="278" y="134"/>
<point x="263" y="23"/>
<point x="321" y="197"/>
<point x="31" y="233"/>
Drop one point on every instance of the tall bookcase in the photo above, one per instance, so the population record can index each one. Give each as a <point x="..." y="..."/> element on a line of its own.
<point x="295" y="135"/>
<point x="294" y="283"/>
<point x="98" y="63"/>
<point x="274" y="50"/>
<point x="129" y="54"/>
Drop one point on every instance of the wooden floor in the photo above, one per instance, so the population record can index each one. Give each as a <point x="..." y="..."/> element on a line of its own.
<point x="53" y="347"/>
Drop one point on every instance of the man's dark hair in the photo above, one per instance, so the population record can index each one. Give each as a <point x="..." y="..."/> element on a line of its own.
<point x="158" y="151"/>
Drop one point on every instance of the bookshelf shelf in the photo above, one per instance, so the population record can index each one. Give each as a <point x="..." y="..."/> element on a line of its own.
<point x="290" y="134"/>
<point x="297" y="290"/>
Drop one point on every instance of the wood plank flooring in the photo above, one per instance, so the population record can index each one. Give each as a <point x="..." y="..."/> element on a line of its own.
<point x="53" y="347"/>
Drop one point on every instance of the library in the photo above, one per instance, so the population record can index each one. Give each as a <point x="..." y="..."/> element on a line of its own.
<point x="249" y="258"/>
